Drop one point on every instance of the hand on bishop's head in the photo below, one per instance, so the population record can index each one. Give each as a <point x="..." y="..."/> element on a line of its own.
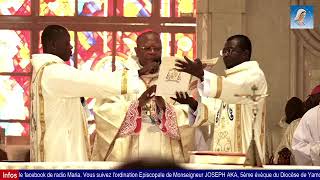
<point x="184" y="98"/>
<point x="150" y="68"/>
<point x="147" y="95"/>
<point x="194" y="68"/>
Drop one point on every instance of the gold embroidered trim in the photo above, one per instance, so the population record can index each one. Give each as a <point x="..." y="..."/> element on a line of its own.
<point x="238" y="128"/>
<point x="219" y="87"/>
<point x="206" y="117"/>
<point x="124" y="82"/>
<point x="263" y="123"/>
<point x="42" y="120"/>
<point x="111" y="145"/>
<point x="86" y="135"/>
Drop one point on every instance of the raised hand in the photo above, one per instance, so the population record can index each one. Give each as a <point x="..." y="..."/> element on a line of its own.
<point x="147" y="95"/>
<point x="184" y="98"/>
<point x="190" y="67"/>
<point x="149" y="68"/>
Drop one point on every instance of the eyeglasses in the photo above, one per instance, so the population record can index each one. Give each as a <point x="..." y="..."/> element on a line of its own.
<point x="228" y="51"/>
<point x="151" y="48"/>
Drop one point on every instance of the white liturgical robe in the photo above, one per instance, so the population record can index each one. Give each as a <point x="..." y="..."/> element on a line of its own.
<point x="58" y="122"/>
<point x="232" y="116"/>
<point x="306" y="139"/>
<point x="124" y="132"/>
<point x="286" y="141"/>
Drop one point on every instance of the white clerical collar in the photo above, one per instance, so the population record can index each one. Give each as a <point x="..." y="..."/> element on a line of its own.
<point x="241" y="67"/>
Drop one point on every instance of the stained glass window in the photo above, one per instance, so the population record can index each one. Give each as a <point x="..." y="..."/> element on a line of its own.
<point x="15" y="129"/>
<point x="134" y="8"/>
<point x="57" y="8"/>
<point x="14" y="97"/>
<point x="183" y="8"/>
<point x="126" y="42"/>
<point x="95" y="7"/>
<point x="93" y="47"/>
<point x="185" y="45"/>
<point x="166" y="44"/>
<point x="165" y="10"/>
<point x="15" y="51"/>
<point x="15" y="7"/>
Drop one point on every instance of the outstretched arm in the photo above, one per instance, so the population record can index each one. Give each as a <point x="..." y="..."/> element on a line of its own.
<point x="225" y="88"/>
<point x="66" y="81"/>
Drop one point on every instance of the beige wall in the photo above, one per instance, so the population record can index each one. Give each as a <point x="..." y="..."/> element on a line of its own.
<point x="286" y="59"/>
<point x="268" y="28"/>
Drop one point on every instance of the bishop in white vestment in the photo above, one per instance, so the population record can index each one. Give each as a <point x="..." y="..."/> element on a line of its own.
<point x="142" y="125"/>
<point x="125" y="132"/>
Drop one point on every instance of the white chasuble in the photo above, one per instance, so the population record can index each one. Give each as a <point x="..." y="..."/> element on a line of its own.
<point x="126" y="132"/>
<point x="220" y="103"/>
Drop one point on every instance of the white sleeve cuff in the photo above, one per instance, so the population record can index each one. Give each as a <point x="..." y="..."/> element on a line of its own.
<point x="206" y="83"/>
<point x="315" y="153"/>
<point x="193" y="115"/>
<point x="204" y="87"/>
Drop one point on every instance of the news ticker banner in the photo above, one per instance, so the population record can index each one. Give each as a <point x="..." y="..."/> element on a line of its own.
<point x="159" y="174"/>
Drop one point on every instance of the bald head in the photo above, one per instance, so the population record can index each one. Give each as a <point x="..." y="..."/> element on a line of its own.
<point x="148" y="48"/>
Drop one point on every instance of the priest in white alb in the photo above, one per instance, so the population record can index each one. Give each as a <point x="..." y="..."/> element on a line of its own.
<point x="231" y="116"/>
<point x="58" y="121"/>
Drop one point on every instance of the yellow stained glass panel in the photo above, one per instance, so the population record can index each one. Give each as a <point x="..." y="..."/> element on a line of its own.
<point x="57" y="8"/>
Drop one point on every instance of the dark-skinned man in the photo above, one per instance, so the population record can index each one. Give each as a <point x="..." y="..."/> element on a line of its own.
<point x="294" y="111"/>
<point x="142" y="125"/>
<point x="232" y="116"/>
<point x="306" y="137"/>
<point x="58" y="121"/>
